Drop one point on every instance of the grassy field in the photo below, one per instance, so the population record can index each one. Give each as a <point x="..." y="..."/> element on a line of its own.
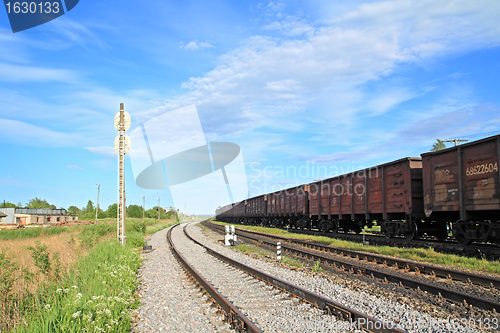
<point x="71" y="279"/>
<point x="427" y="255"/>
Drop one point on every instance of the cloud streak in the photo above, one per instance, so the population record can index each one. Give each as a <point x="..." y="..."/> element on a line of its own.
<point x="271" y="77"/>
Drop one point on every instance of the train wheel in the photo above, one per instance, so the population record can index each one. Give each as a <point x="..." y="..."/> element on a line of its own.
<point x="386" y="229"/>
<point x="334" y="226"/>
<point x="411" y="234"/>
<point x="459" y="232"/>
<point x="323" y="225"/>
<point x="496" y="238"/>
<point x="301" y="224"/>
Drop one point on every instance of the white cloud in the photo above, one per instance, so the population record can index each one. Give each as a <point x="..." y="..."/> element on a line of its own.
<point x="103" y="150"/>
<point x="19" y="73"/>
<point x="196" y="45"/>
<point x="332" y="62"/>
<point x="31" y="135"/>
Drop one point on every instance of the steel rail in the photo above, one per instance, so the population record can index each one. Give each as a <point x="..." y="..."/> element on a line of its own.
<point x="343" y="312"/>
<point x="399" y="263"/>
<point x="233" y="315"/>
<point x="491" y="252"/>
<point x="455" y="296"/>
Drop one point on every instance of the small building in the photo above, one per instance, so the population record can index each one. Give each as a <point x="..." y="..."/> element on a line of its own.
<point x="34" y="216"/>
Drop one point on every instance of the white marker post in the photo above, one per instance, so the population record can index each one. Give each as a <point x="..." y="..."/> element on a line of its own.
<point x="278" y="251"/>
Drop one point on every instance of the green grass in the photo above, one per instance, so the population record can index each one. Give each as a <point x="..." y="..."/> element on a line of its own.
<point x="427" y="255"/>
<point x="316" y="267"/>
<point x="25" y="233"/>
<point x="373" y="228"/>
<point x="245" y="248"/>
<point x="151" y="229"/>
<point x="290" y="261"/>
<point x="96" y="295"/>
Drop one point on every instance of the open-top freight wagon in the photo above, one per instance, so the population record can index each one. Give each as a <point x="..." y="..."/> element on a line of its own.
<point x="457" y="187"/>
<point x="462" y="189"/>
<point x="389" y="194"/>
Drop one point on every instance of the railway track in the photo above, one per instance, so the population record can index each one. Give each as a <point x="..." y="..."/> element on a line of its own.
<point x="256" y="301"/>
<point x="378" y="267"/>
<point x="488" y="251"/>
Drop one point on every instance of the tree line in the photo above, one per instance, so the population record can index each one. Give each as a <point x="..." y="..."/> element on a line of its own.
<point x="88" y="212"/>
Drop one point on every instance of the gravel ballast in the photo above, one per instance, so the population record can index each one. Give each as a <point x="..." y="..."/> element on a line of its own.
<point x="381" y="308"/>
<point x="169" y="302"/>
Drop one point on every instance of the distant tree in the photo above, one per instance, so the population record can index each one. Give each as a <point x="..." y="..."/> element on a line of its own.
<point x="39" y="203"/>
<point x="6" y="204"/>
<point x="112" y="210"/>
<point x="90" y="207"/>
<point x="438" y="145"/>
<point x="172" y="214"/>
<point x="19" y="205"/>
<point x="102" y="214"/>
<point x="73" y="210"/>
<point x="153" y="213"/>
<point x="134" y="211"/>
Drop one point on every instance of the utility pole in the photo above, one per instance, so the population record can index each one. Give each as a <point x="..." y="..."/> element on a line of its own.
<point x="143" y="205"/>
<point x="122" y="147"/>
<point x="456" y="141"/>
<point x="158" y="209"/>
<point x="97" y="206"/>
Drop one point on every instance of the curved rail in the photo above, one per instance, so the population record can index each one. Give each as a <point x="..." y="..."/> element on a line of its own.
<point x="446" y="293"/>
<point x="363" y="321"/>
<point x="233" y="315"/>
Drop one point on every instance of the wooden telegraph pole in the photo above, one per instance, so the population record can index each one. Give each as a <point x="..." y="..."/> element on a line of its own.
<point x="122" y="147"/>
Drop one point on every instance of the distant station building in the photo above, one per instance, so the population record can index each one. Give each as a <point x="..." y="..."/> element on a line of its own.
<point x="17" y="217"/>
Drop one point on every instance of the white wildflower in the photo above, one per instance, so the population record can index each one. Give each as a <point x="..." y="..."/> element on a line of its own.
<point x="47" y="306"/>
<point x="58" y="290"/>
<point x="66" y="290"/>
<point x="75" y="287"/>
<point x="76" y="314"/>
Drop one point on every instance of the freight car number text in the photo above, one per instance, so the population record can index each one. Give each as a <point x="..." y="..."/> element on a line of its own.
<point x="481" y="168"/>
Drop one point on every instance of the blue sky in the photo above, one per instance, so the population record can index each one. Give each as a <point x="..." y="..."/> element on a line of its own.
<point x="320" y="87"/>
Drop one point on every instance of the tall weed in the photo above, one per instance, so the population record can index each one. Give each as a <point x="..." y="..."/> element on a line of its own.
<point x="95" y="296"/>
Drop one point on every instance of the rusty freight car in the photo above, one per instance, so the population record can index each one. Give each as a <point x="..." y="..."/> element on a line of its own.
<point x="389" y="194"/>
<point x="231" y="213"/>
<point x="256" y="210"/>
<point x="288" y="207"/>
<point x="462" y="189"/>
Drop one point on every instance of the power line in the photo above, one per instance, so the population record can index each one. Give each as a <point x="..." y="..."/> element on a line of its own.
<point x="483" y="134"/>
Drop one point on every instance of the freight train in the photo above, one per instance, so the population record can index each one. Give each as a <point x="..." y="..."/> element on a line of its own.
<point x="452" y="192"/>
